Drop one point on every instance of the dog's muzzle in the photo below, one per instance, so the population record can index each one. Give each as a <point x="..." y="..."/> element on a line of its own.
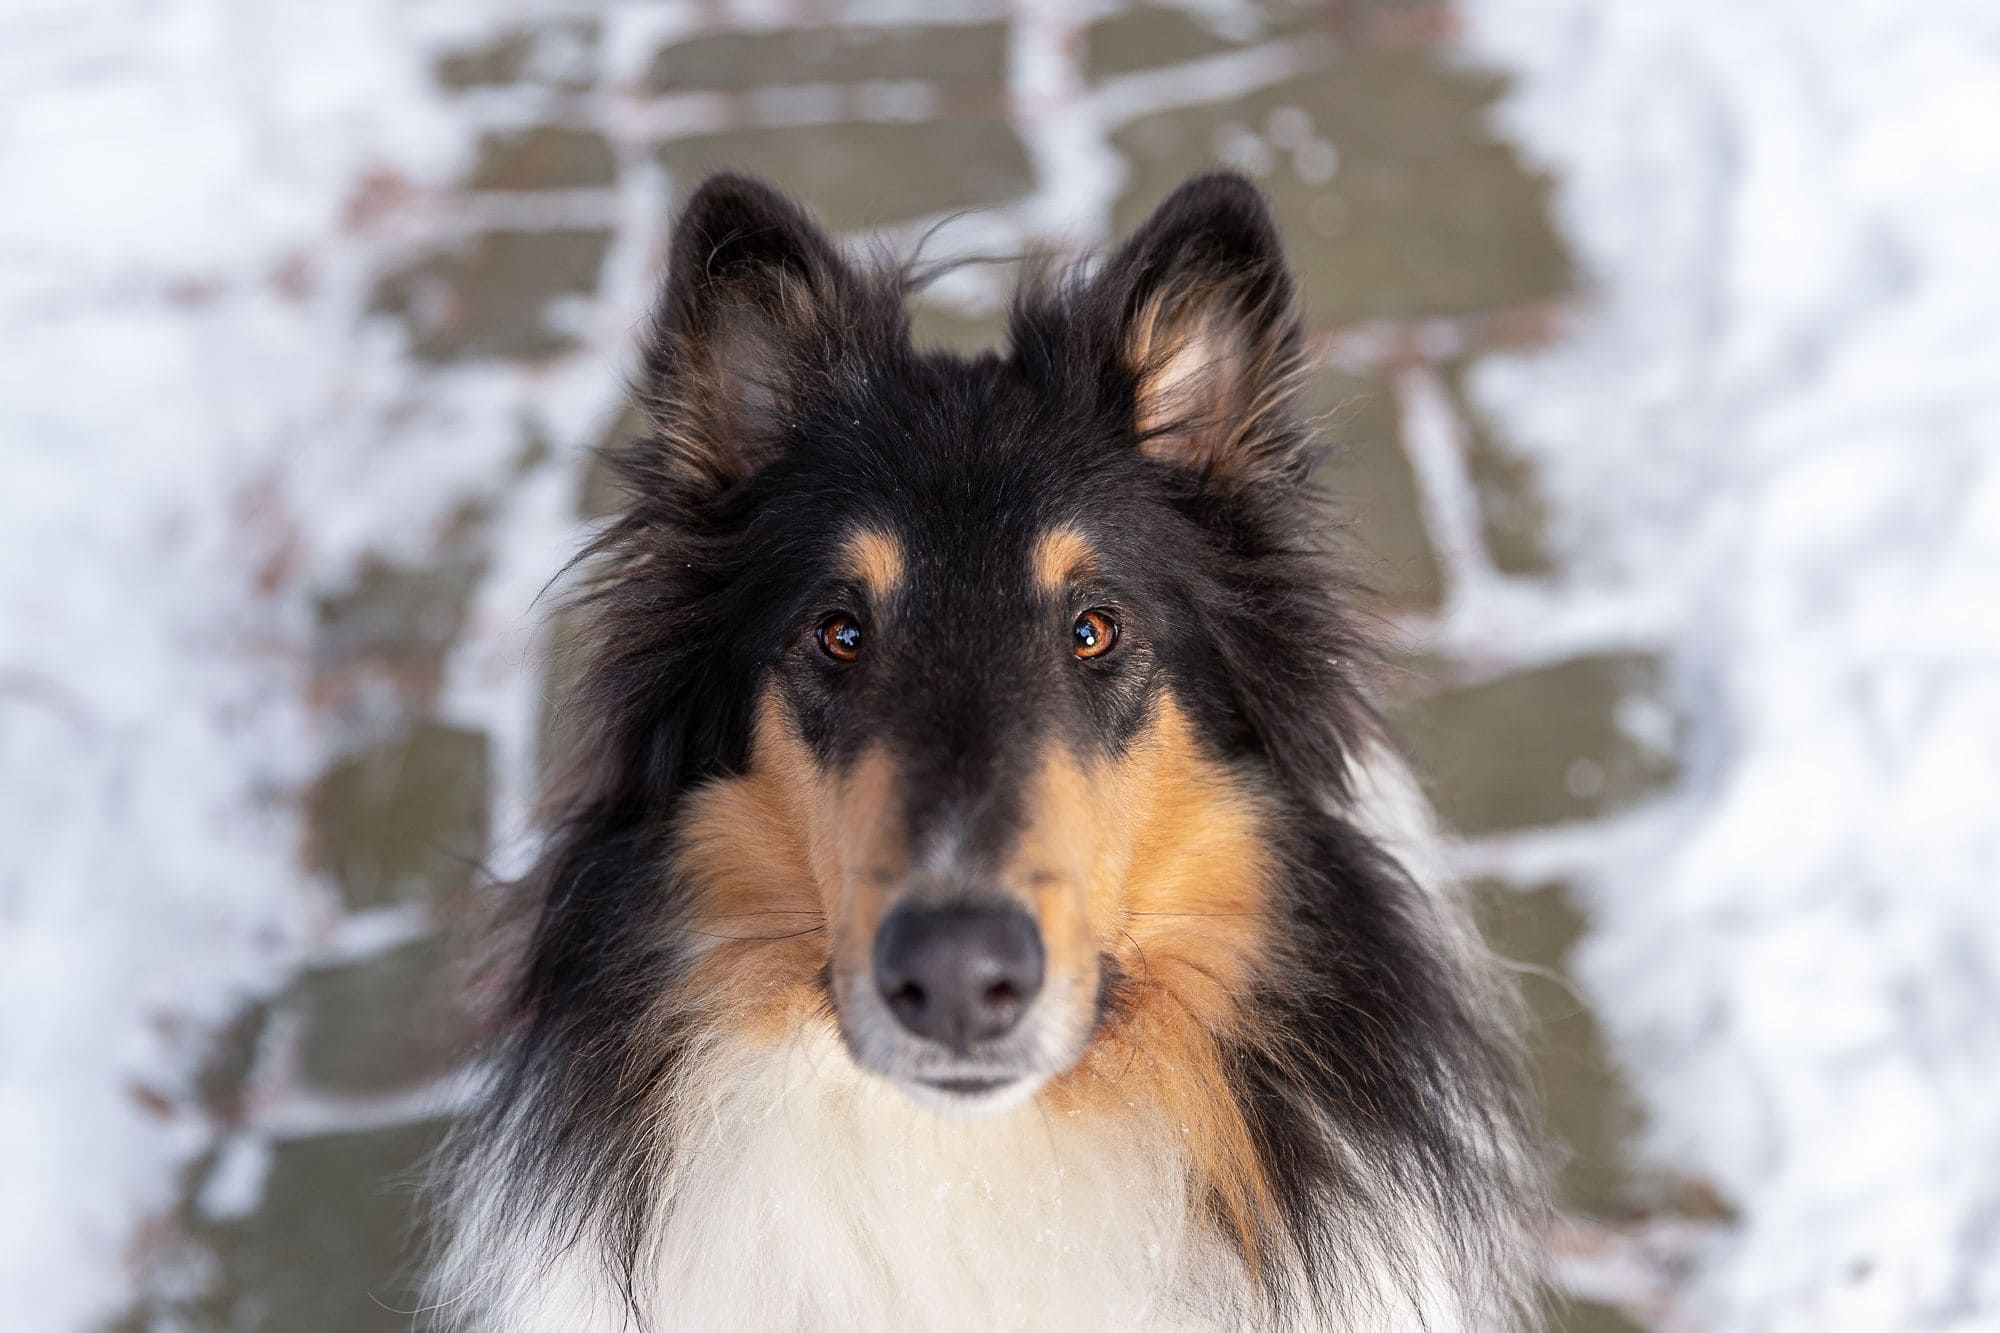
<point x="959" y="974"/>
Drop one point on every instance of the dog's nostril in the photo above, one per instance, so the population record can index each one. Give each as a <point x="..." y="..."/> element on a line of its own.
<point x="958" y="973"/>
<point x="907" y="1001"/>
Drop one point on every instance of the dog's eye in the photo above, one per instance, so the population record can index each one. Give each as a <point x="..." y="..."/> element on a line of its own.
<point x="839" y="637"/>
<point x="1093" y="634"/>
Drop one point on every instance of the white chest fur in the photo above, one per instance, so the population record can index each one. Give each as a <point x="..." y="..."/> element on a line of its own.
<point x="808" y="1195"/>
<point x="814" y="1197"/>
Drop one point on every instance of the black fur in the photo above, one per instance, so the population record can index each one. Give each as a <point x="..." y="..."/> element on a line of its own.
<point x="787" y="403"/>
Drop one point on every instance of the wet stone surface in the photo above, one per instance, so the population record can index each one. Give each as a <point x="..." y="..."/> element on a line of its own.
<point x="974" y="54"/>
<point x="221" y="1081"/>
<point x="601" y="493"/>
<point x="869" y="175"/>
<point x="1372" y="492"/>
<point x="1150" y="36"/>
<point x="936" y="326"/>
<point x="405" y="820"/>
<point x="543" y="158"/>
<point x="1576" y="740"/>
<point x="492" y="296"/>
<point x="397" y="620"/>
<point x="561" y="55"/>
<point x="329" y="1248"/>
<point x="1394" y="195"/>
<point x="1513" y="515"/>
<point x="389" y="1022"/>
<point x="1593" y="1116"/>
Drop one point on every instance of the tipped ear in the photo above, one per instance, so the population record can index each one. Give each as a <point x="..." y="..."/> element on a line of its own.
<point x="754" y="298"/>
<point x="1209" y="334"/>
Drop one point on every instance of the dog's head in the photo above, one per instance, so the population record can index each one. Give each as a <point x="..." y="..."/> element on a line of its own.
<point x="977" y="674"/>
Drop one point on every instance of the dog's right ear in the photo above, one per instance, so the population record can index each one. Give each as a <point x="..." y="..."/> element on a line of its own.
<point x="751" y="315"/>
<point x="1209" y="334"/>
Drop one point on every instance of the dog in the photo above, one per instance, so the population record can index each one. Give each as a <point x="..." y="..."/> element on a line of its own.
<point x="981" y="894"/>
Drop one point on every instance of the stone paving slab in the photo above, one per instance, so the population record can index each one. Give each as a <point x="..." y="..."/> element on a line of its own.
<point x="1153" y="36"/>
<point x="861" y="175"/>
<point x="1593" y="1116"/>
<point x="492" y="295"/>
<point x="390" y="1022"/>
<point x="544" y="157"/>
<point x="1372" y="492"/>
<point x="397" y="620"/>
<point x="1397" y="199"/>
<point x="1513" y="514"/>
<point x="405" y="820"/>
<point x="330" y="1249"/>
<point x="1544" y="746"/>
<point x="948" y="328"/>
<point x="964" y="54"/>
<point x="560" y="54"/>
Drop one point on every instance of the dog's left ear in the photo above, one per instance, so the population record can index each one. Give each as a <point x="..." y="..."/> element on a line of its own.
<point x="757" y="308"/>
<point x="1208" y="332"/>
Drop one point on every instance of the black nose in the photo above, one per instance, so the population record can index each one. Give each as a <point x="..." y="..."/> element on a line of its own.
<point x="958" y="973"/>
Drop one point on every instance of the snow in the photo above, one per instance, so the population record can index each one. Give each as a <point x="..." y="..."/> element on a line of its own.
<point x="188" y="452"/>
<point x="1777" y="427"/>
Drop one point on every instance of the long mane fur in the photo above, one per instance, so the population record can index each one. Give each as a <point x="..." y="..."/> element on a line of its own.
<point x="1373" y="1061"/>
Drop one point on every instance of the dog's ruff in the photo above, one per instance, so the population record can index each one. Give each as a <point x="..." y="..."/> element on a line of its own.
<point x="815" y="1197"/>
<point x="810" y="1195"/>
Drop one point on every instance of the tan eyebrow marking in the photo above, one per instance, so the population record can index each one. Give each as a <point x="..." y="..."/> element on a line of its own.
<point x="1060" y="555"/>
<point x="874" y="560"/>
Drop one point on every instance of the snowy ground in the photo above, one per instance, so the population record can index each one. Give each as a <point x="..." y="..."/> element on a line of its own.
<point x="191" y="441"/>
<point x="1776" y="432"/>
<point x="1770" y="436"/>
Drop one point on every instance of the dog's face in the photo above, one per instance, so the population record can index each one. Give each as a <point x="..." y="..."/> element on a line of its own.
<point x="969" y="723"/>
<point x="996" y="770"/>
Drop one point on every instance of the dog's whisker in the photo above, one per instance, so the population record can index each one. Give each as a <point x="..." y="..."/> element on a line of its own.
<point x="752" y="939"/>
<point x="1197" y="914"/>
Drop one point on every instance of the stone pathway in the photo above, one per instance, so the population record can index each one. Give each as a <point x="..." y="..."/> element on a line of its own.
<point x="1425" y="244"/>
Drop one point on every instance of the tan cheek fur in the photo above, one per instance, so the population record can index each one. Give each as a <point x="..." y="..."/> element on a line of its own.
<point x="1158" y="859"/>
<point x="1177" y="890"/>
<point x="787" y="863"/>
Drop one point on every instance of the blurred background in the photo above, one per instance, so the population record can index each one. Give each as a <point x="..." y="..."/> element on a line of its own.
<point x="1663" y="340"/>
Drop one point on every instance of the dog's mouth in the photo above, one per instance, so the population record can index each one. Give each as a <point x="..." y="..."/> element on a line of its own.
<point x="971" y="1095"/>
<point x="966" y="1087"/>
<point x="985" y="1080"/>
<point x="955" y="1004"/>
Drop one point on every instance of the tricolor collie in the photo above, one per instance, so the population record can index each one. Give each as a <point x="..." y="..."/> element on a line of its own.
<point x="978" y="897"/>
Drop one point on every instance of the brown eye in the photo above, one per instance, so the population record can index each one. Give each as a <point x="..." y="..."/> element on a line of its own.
<point x="840" y="637"/>
<point x="1093" y="634"/>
